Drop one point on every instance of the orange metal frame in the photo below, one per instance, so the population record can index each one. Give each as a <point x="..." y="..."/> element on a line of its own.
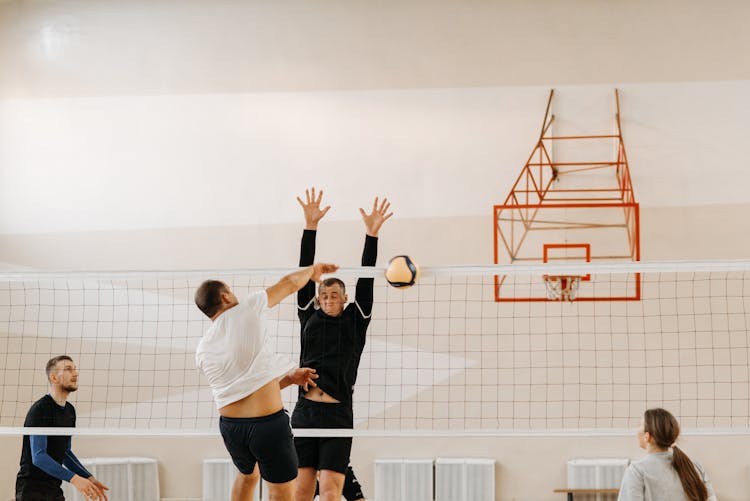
<point x="534" y="191"/>
<point x="586" y="247"/>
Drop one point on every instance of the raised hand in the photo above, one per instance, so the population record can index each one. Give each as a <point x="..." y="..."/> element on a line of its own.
<point x="375" y="219"/>
<point x="322" y="269"/>
<point x="311" y="208"/>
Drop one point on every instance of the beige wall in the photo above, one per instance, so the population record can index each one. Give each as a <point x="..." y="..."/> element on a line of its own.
<point x="519" y="459"/>
<point x="152" y="135"/>
<point x="87" y="48"/>
<point x="705" y="232"/>
<point x="528" y="468"/>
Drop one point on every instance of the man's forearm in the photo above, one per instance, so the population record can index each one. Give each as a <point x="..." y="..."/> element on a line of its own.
<point x="299" y="278"/>
<point x="42" y="460"/>
<point x="72" y="463"/>
<point x="289" y="284"/>
<point x="285" y="381"/>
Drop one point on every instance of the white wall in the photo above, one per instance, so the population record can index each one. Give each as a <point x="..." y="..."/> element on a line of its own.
<point x="137" y="47"/>
<point x="125" y="163"/>
<point x="175" y="135"/>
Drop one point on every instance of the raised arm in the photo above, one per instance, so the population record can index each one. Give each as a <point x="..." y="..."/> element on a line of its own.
<point x="313" y="214"/>
<point x="293" y="282"/>
<point x="373" y="222"/>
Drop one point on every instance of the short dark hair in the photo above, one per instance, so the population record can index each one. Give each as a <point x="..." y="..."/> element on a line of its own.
<point x="331" y="281"/>
<point x="208" y="296"/>
<point x="52" y="363"/>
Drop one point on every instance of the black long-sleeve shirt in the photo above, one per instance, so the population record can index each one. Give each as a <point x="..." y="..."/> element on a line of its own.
<point x="333" y="345"/>
<point x="32" y="481"/>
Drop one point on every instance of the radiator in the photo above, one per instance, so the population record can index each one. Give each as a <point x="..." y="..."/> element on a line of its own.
<point x="596" y="473"/>
<point x="218" y="477"/>
<point x="403" y="479"/>
<point x="128" y="479"/>
<point x="464" y="479"/>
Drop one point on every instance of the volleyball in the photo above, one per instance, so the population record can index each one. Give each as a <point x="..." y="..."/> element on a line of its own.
<point x="402" y="272"/>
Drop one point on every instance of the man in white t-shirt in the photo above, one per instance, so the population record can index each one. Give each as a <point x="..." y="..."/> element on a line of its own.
<point x="246" y="379"/>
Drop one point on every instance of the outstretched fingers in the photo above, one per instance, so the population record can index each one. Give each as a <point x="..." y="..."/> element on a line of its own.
<point x="310" y="198"/>
<point x="384" y="206"/>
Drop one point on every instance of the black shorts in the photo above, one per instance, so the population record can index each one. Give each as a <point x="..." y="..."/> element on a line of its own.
<point x="266" y="440"/>
<point x="32" y="489"/>
<point x="32" y="496"/>
<point x="323" y="453"/>
<point x="352" y="490"/>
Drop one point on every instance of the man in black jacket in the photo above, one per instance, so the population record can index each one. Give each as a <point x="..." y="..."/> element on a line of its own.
<point x="332" y="340"/>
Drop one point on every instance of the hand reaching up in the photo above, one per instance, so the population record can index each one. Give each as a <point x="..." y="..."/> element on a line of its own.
<point x="311" y="208"/>
<point x="375" y="219"/>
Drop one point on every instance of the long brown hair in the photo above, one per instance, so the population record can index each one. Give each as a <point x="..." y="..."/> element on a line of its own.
<point x="665" y="429"/>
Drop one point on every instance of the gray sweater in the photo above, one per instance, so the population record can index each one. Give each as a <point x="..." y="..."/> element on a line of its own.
<point x="654" y="479"/>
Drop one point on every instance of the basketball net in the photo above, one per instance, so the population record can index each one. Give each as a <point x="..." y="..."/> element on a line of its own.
<point x="562" y="287"/>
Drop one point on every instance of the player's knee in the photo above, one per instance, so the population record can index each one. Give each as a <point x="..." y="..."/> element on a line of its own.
<point x="330" y="491"/>
<point x="305" y="490"/>
<point x="250" y="478"/>
<point x="330" y="495"/>
<point x="281" y="492"/>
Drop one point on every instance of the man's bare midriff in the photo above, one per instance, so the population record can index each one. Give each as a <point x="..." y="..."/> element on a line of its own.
<point x="318" y="395"/>
<point x="263" y="402"/>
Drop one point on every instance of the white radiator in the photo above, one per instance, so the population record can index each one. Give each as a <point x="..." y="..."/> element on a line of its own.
<point x="403" y="479"/>
<point x="218" y="477"/>
<point x="596" y="473"/>
<point x="464" y="479"/>
<point x="128" y="479"/>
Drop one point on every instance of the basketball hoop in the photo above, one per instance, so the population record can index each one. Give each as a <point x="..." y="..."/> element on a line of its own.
<point x="562" y="287"/>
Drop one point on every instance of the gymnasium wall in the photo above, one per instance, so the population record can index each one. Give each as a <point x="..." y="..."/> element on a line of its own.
<point x="158" y="135"/>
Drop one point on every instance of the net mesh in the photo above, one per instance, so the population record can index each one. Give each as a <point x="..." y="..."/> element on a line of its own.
<point x="443" y="355"/>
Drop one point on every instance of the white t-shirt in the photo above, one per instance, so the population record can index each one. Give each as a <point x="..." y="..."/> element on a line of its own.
<point x="235" y="355"/>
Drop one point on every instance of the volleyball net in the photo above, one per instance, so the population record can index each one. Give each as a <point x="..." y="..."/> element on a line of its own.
<point x="453" y="354"/>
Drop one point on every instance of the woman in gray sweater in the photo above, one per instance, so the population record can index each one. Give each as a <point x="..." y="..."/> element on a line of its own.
<point x="666" y="473"/>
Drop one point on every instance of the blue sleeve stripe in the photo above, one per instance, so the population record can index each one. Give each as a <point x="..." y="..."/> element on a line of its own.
<point x="44" y="462"/>
<point x="74" y="465"/>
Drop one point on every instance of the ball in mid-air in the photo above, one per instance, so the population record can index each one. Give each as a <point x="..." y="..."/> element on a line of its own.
<point x="401" y="272"/>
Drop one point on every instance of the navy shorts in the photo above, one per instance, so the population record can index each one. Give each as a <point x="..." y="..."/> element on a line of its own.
<point x="266" y="440"/>
<point x="323" y="453"/>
